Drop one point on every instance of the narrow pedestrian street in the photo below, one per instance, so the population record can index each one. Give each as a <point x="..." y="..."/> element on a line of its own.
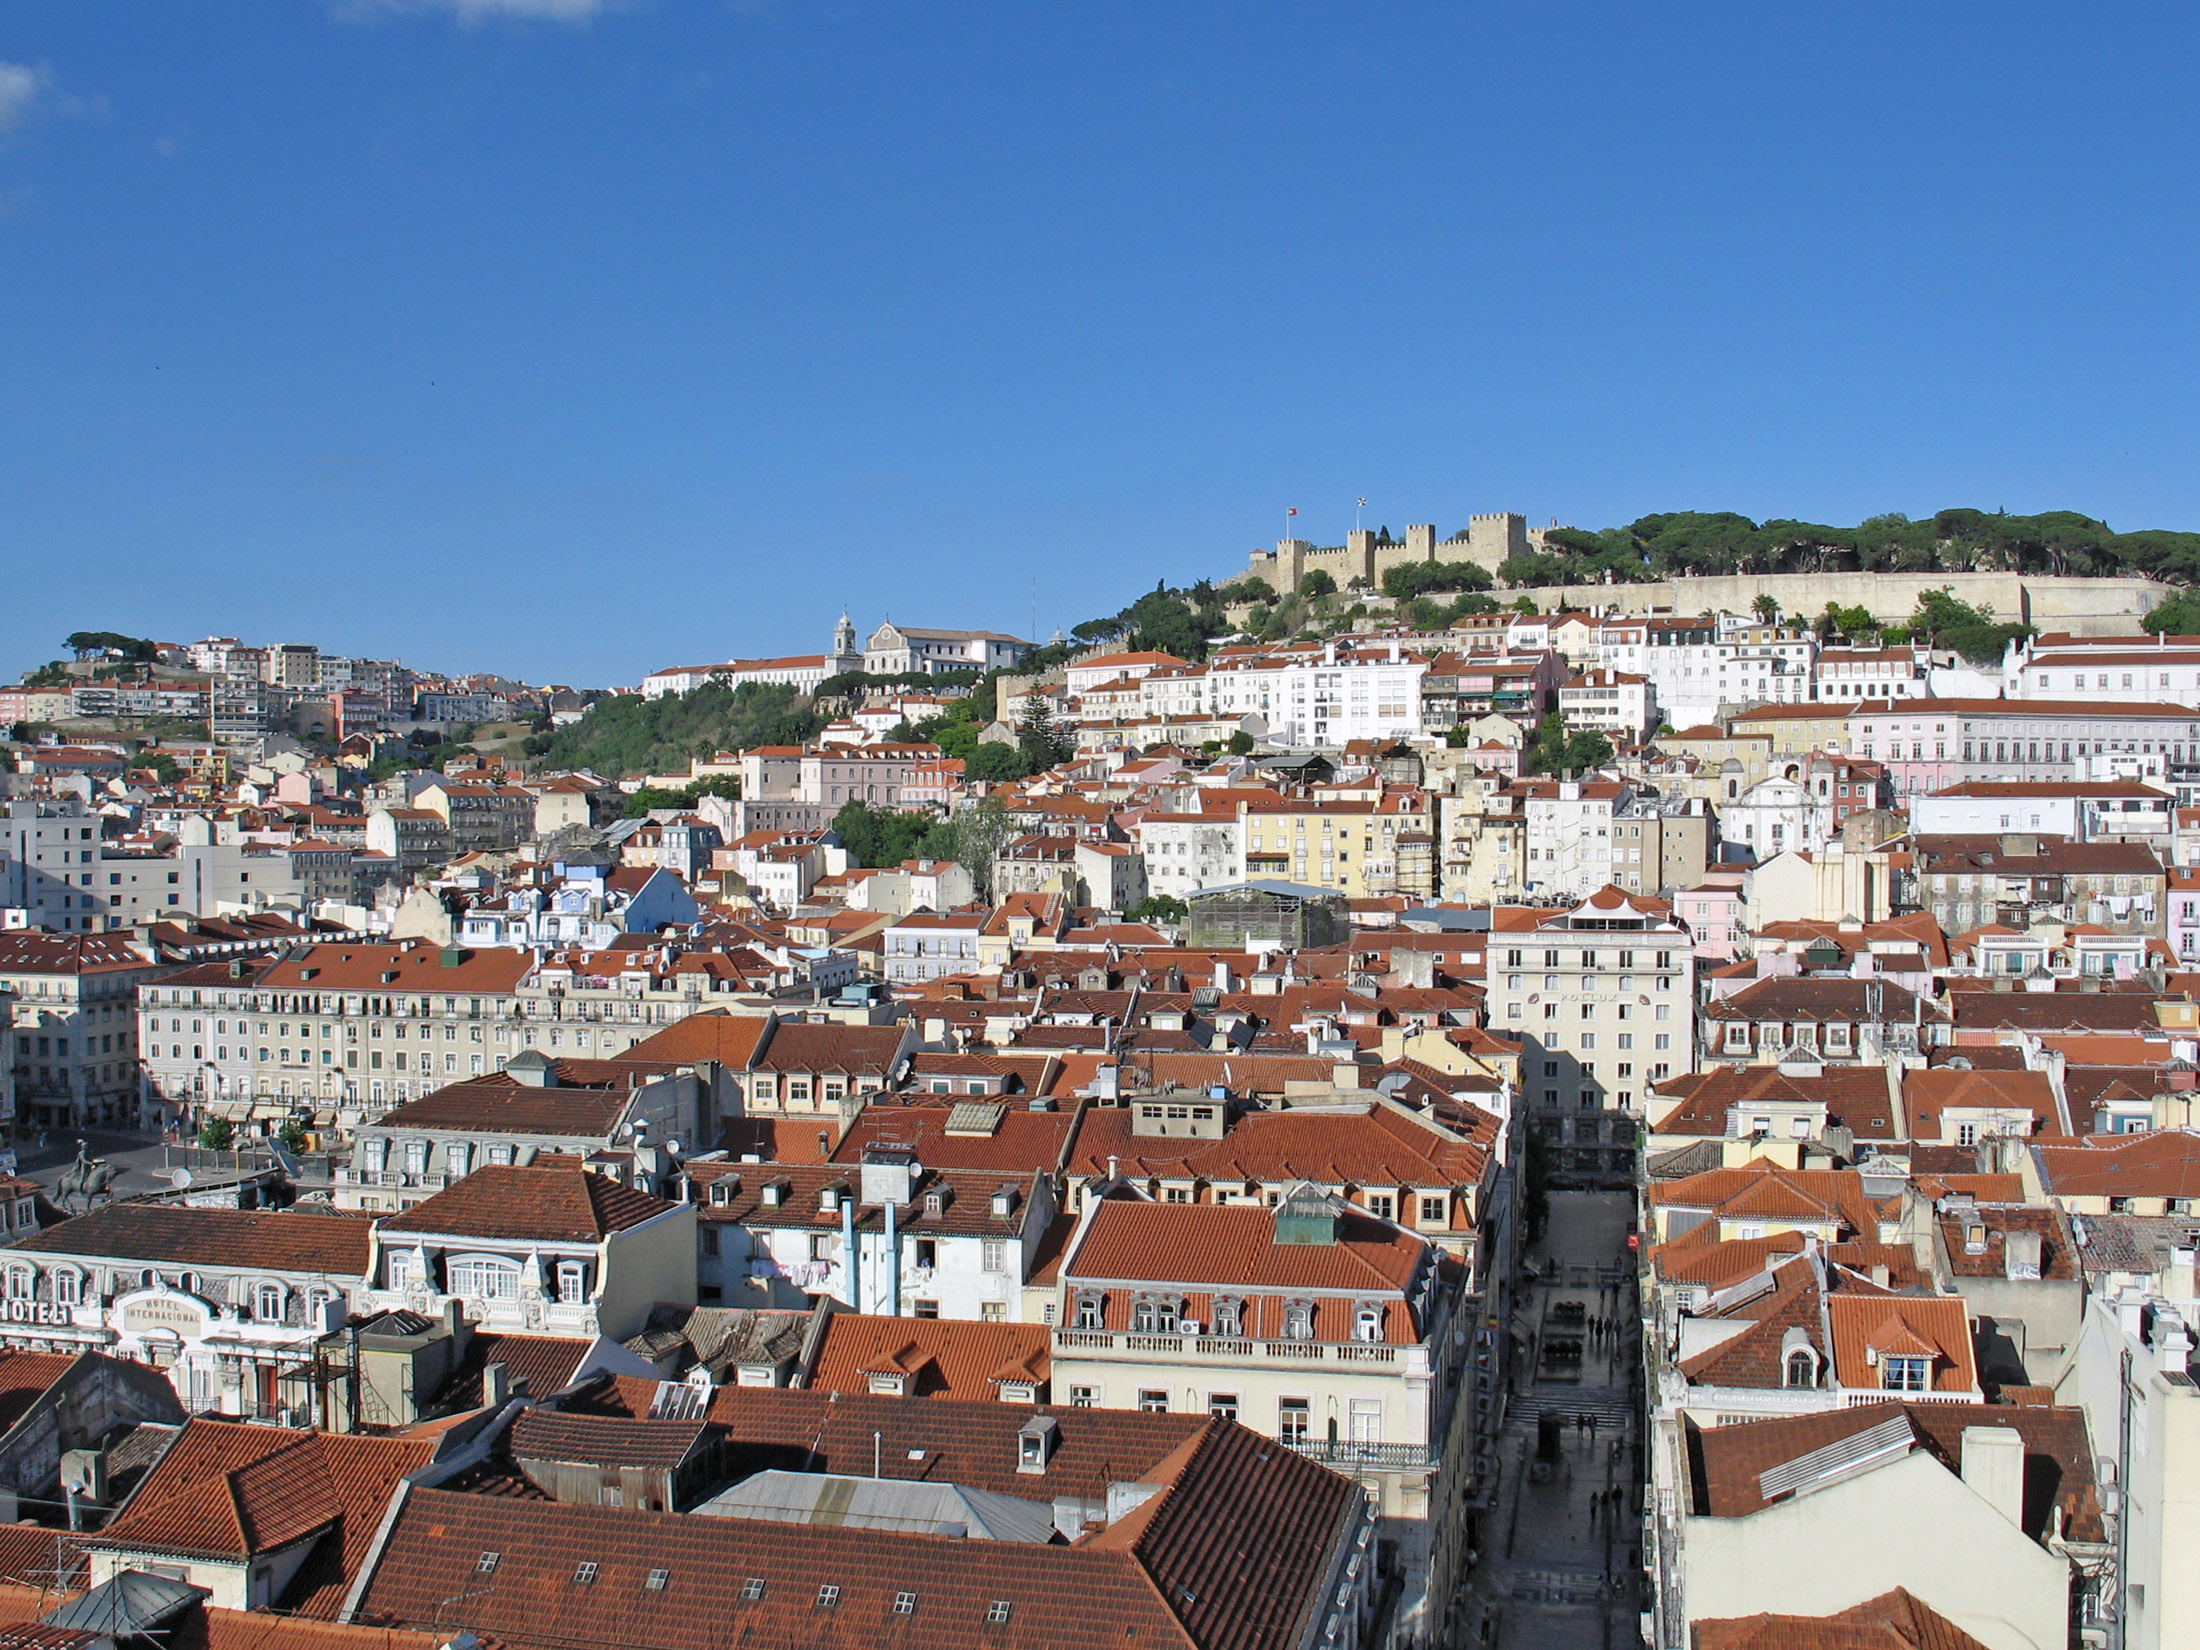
<point x="1561" y="1571"/>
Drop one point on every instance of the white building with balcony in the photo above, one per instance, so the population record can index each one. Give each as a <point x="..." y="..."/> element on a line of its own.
<point x="1313" y="1323"/>
<point x="222" y="1301"/>
<point x="885" y="1235"/>
<point x="537" y="1251"/>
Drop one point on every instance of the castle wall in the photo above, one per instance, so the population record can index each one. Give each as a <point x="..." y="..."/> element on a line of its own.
<point x="1490" y="540"/>
<point x="2084" y="607"/>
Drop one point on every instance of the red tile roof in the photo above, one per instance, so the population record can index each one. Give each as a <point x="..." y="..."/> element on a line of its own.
<point x="1893" y="1621"/>
<point x="729" y="1039"/>
<point x="327" y="1244"/>
<point x="547" y="1204"/>
<point x="1234" y="1246"/>
<point x="230" y="1490"/>
<point x="1866" y="1329"/>
<point x="2159" y="1164"/>
<point x="939" y="1357"/>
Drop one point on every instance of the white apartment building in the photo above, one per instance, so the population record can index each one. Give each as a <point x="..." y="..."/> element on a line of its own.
<point x="886" y="1235"/>
<point x="1612" y="702"/>
<point x="194" y="1053"/>
<point x="926" y="945"/>
<point x="49" y="851"/>
<point x="2103" y="667"/>
<point x="72" y="1002"/>
<point x="1325" y="697"/>
<point x="2082" y="810"/>
<point x="1603" y="997"/>
<point x="1185" y="852"/>
<point x="1696" y="665"/>
<point x="1569" y="833"/>
<point x="1871" y="673"/>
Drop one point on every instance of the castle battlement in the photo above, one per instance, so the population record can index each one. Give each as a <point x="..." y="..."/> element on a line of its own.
<point x="1365" y="555"/>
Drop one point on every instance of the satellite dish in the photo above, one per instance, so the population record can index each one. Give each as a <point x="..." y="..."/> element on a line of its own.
<point x="179" y="1178"/>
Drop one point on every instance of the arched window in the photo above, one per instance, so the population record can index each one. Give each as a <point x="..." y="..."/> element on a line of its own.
<point x="1802" y="1368"/>
<point x="68" y="1288"/>
<point x="1088" y="1311"/>
<point x="267" y="1303"/>
<point x="21" y="1284"/>
<point x="1298" y="1320"/>
<point x="1367" y="1322"/>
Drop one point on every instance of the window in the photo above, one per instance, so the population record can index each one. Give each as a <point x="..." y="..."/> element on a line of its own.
<point x="994" y="1255"/>
<point x="67" y="1288"/>
<point x="484" y="1278"/>
<point x="1083" y="1397"/>
<point x="997" y="1612"/>
<point x="752" y="1589"/>
<point x="1432" y="1211"/>
<point x="267" y="1303"/>
<point x="1291" y="1420"/>
<point x="1223" y="1406"/>
<point x="1903" y="1374"/>
<point x="1298" y="1320"/>
<point x="657" y="1580"/>
<point x="828" y="1597"/>
<point x="585" y="1575"/>
<point x="905" y="1604"/>
<point x="1802" y="1368"/>
<point x="488" y="1563"/>
<point x="1088" y="1312"/>
<point x="1153" y="1400"/>
<point x="1367" y="1323"/>
<point x="572" y="1282"/>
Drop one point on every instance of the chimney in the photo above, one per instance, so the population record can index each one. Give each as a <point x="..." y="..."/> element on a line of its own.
<point x="496" y="1386"/>
<point x="1993" y="1465"/>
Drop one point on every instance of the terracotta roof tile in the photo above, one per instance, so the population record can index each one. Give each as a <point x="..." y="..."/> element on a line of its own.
<point x="334" y="1245"/>
<point x="548" y="1204"/>
<point x="946" y="1358"/>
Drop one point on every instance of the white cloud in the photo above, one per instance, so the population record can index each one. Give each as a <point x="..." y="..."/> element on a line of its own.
<point x="20" y="86"/>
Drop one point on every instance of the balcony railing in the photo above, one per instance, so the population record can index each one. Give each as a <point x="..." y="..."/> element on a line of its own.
<point x="1346" y="1453"/>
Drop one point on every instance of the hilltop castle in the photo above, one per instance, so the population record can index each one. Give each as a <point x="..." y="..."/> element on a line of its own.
<point x="1367" y="555"/>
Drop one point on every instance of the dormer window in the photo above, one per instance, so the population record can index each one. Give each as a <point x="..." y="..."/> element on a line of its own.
<point x="1229" y="1316"/>
<point x="1905" y="1374"/>
<point x="1802" y="1368"/>
<point x="829" y="1200"/>
<point x="1367" y="1322"/>
<point x="1298" y="1320"/>
<point x="1089" y="1310"/>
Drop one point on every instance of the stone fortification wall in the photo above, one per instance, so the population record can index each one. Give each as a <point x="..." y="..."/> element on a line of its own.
<point x="2084" y="607"/>
<point x="1488" y="541"/>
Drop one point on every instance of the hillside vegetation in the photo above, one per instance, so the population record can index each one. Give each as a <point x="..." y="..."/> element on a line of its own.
<point x="629" y="735"/>
<point x="1692" y="543"/>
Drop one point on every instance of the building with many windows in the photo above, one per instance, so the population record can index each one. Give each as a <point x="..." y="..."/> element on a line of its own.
<point x="539" y="1251"/>
<point x="1313" y="1323"/>
<point x="1603" y="996"/>
<point x="220" y="1300"/>
<point x="72" y="1009"/>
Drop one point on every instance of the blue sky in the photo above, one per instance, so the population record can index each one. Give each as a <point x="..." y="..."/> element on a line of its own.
<point x="572" y="340"/>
